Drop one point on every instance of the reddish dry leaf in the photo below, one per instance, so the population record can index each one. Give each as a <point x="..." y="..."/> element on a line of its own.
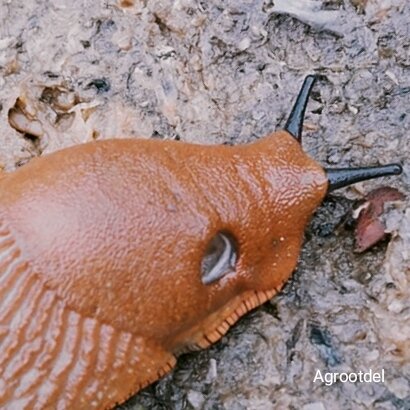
<point x="370" y="229"/>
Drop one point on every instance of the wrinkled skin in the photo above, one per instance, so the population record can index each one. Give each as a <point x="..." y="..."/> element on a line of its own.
<point x="113" y="233"/>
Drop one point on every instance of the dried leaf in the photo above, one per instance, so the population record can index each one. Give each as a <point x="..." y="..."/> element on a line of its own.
<point x="370" y="229"/>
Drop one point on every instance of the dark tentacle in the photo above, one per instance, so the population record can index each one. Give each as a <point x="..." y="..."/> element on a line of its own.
<point x="294" y="123"/>
<point x="341" y="177"/>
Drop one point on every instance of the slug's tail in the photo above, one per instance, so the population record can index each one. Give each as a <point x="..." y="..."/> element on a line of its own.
<point x="53" y="357"/>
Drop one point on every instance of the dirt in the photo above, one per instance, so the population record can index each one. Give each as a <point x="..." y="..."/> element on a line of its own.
<point x="227" y="72"/>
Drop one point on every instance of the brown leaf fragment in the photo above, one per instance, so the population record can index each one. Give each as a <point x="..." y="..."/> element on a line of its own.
<point x="370" y="229"/>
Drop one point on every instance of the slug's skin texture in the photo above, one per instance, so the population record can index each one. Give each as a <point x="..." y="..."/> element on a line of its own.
<point x="100" y="259"/>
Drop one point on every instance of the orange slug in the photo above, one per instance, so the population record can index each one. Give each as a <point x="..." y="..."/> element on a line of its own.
<point x="118" y="255"/>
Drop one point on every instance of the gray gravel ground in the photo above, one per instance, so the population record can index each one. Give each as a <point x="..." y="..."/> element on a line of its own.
<point x="227" y="72"/>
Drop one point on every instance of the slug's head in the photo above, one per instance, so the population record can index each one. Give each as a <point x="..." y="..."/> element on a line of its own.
<point x="296" y="185"/>
<point x="339" y="177"/>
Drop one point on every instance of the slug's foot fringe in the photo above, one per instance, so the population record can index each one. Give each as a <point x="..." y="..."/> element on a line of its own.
<point x="249" y="302"/>
<point x="220" y="322"/>
<point x="52" y="357"/>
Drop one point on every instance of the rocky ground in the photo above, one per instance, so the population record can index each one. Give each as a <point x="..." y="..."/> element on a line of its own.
<point x="227" y="72"/>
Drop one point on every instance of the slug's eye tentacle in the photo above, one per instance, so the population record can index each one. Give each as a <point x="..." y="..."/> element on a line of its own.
<point x="341" y="177"/>
<point x="220" y="258"/>
<point x="294" y="123"/>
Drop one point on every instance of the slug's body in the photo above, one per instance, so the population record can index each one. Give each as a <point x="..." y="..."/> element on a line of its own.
<point x="101" y="248"/>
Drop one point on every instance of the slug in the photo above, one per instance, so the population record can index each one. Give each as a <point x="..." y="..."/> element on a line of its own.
<point x="116" y="256"/>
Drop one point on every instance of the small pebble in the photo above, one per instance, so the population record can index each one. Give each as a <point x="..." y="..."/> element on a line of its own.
<point x="196" y="399"/>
